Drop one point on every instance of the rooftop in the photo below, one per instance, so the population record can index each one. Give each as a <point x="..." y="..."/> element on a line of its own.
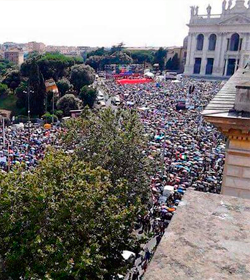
<point x="222" y="106"/>
<point x="208" y="239"/>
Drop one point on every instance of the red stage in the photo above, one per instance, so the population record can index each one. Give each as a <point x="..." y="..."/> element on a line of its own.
<point x="134" y="81"/>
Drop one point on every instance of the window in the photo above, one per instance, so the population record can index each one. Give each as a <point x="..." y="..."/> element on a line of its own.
<point x="200" y="42"/>
<point x="197" y="66"/>
<point x="212" y="42"/>
<point x="209" y="67"/>
<point x="231" y="67"/>
<point x="235" y="42"/>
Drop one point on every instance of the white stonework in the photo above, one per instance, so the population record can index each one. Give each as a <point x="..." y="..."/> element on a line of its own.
<point x="218" y="44"/>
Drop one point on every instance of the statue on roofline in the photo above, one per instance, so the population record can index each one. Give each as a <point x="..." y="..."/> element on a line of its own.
<point x="209" y="8"/>
<point x="196" y="10"/>
<point x="192" y="11"/>
<point x="224" y="4"/>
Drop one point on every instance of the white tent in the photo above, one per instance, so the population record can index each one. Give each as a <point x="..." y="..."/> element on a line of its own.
<point x="149" y="75"/>
<point x="127" y="254"/>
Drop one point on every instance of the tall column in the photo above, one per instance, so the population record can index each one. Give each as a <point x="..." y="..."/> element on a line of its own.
<point x="236" y="178"/>
<point x="225" y="70"/>
<point x="204" y="55"/>
<point x="190" y="54"/>
<point x="218" y="70"/>
<point x="223" y="53"/>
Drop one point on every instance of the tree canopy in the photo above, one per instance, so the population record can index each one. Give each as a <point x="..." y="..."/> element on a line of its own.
<point x="68" y="102"/>
<point x="114" y="141"/>
<point x="64" y="225"/>
<point x="81" y="75"/>
<point x="88" y="96"/>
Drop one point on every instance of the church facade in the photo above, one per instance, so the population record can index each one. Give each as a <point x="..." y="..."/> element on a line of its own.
<point x="218" y="44"/>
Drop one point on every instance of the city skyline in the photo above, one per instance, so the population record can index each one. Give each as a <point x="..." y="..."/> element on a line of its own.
<point x="93" y="23"/>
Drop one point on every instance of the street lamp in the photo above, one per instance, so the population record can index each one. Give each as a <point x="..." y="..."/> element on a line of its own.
<point x="3" y="127"/>
<point x="28" y="96"/>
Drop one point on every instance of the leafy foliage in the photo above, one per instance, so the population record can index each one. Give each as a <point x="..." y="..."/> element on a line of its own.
<point x="63" y="86"/>
<point x="82" y="75"/>
<point x="143" y="56"/>
<point x="64" y="225"/>
<point x="114" y="141"/>
<point x="68" y="102"/>
<point x="3" y="89"/>
<point x="173" y="63"/>
<point x="12" y="80"/>
<point x="160" y="56"/>
<point x="37" y="95"/>
<point x="88" y="96"/>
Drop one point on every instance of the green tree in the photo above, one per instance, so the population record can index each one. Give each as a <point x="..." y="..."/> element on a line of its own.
<point x="115" y="141"/>
<point x="81" y="75"/>
<point x="21" y="94"/>
<point x="117" y="48"/>
<point x="68" y="102"/>
<point x="169" y="64"/>
<point x="95" y="62"/>
<point x="98" y="52"/>
<point x="3" y="89"/>
<point x="160" y="56"/>
<point x="38" y="91"/>
<point x="5" y="66"/>
<point x="141" y="57"/>
<point x="175" y="62"/>
<point x="64" y="225"/>
<point x="63" y="85"/>
<point x="88" y="96"/>
<point x="12" y="80"/>
<point x="120" y="58"/>
<point x="51" y="65"/>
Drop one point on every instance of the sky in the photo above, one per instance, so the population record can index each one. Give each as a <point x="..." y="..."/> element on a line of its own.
<point x="136" y="23"/>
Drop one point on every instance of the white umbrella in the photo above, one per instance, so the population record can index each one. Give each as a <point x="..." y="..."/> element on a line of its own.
<point x="149" y="74"/>
<point x="127" y="254"/>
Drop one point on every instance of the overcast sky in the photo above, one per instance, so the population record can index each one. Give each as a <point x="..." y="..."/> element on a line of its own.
<point x="98" y="22"/>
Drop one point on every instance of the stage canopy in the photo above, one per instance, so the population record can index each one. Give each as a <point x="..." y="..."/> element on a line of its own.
<point x="134" y="81"/>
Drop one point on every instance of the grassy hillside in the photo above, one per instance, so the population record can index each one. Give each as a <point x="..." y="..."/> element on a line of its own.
<point x="9" y="103"/>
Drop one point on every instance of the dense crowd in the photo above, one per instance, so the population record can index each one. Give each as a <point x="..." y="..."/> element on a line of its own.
<point x="25" y="145"/>
<point x="185" y="150"/>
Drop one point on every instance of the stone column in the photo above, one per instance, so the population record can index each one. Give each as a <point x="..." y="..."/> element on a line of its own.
<point x="223" y="52"/>
<point x="225" y="70"/>
<point x="190" y="54"/>
<point x="236" y="177"/>
<point x="218" y="70"/>
<point x="204" y="55"/>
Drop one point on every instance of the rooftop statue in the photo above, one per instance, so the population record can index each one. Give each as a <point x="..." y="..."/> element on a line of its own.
<point x="224" y="4"/>
<point x="209" y="8"/>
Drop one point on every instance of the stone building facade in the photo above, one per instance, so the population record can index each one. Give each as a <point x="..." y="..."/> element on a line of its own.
<point x="218" y="44"/>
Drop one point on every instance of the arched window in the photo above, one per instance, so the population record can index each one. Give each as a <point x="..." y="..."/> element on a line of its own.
<point x="212" y="42"/>
<point x="200" y="42"/>
<point x="235" y="42"/>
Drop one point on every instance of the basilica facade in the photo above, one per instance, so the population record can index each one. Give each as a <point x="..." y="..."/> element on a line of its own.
<point x="218" y="44"/>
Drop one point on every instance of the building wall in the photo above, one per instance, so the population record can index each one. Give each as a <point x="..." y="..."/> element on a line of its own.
<point x="231" y="21"/>
<point x="17" y="57"/>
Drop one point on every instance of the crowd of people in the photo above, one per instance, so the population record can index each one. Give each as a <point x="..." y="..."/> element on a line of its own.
<point x="185" y="150"/>
<point x="25" y="145"/>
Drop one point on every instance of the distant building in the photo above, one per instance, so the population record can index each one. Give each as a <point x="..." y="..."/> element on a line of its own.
<point x="181" y="53"/>
<point x="218" y="44"/>
<point x="51" y="86"/>
<point x="36" y="47"/>
<point x="16" y="56"/>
